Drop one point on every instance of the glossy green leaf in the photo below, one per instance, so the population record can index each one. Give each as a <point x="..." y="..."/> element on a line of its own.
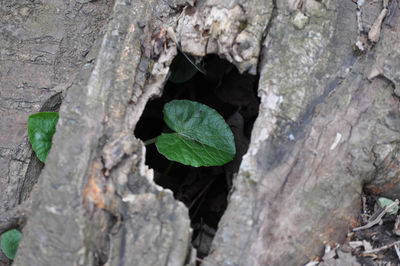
<point x="9" y="242"/>
<point x="41" y="128"/>
<point x="201" y="138"/>
<point x="385" y="202"/>
<point x="181" y="69"/>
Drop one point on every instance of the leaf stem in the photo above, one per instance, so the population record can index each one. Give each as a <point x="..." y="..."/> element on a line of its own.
<point x="149" y="141"/>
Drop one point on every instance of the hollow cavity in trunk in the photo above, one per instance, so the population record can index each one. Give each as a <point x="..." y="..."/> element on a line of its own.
<point x="204" y="190"/>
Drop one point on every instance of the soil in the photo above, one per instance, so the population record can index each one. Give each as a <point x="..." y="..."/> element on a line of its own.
<point x="378" y="236"/>
<point x="204" y="190"/>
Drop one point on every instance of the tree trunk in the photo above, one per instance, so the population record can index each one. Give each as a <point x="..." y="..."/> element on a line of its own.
<point x="328" y="125"/>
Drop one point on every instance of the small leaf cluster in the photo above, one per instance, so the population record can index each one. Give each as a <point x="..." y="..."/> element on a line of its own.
<point x="200" y="138"/>
<point x="9" y="242"/>
<point x="385" y="202"/>
<point x="41" y="128"/>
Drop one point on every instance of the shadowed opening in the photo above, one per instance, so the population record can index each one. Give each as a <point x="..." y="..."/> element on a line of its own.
<point x="204" y="190"/>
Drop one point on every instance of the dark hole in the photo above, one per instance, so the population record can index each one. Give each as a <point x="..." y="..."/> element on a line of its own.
<point x="203" y="190"/>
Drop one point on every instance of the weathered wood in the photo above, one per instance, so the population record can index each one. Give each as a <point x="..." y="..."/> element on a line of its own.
<point x="104" y="186"/>
<point x="43" y="43"/>
<point x="327" y="126"/>
<point x="323" y="131"/>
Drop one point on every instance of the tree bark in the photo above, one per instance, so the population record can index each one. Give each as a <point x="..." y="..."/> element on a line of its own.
<point x="43" y="45"/>
<point x="328" y="126"/>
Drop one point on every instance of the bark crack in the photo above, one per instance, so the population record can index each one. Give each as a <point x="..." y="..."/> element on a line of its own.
<point x="274" y="14"/>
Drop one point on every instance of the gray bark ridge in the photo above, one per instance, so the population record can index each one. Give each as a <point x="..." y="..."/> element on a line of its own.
<point x="96" y="201"/>
<point x="322" y="132"/>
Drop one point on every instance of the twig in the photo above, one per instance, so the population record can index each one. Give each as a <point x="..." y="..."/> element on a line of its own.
<point x="381" y="248"/>
<point x="205" y="188"/>
<point x="312" y="263"/>
<point x="397" y="251"/>
<point x="377" y="216"/>
<point x="171" y="34"/>
<point x="364" y="204"/>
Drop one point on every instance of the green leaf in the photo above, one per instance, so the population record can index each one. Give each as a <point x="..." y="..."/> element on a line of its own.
<point x="386" y="202"/>
<point x="9" y="242"/>
<point x="181" y="69"/>
<point x="201" y="138"/>
<point x="41" y="128"/>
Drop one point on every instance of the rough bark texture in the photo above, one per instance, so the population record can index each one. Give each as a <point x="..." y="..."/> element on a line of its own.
<point x="104" y="179"/>
<point x="323" y="131"/>
<point x="43" y="43"/>
<point x="328" y="124"/>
